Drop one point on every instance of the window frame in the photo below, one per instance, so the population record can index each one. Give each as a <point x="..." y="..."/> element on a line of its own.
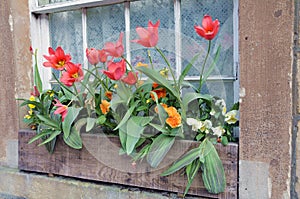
<point x="41" y="39"/>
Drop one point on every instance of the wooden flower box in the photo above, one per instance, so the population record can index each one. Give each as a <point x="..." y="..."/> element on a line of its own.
<point x="99" y="160"/>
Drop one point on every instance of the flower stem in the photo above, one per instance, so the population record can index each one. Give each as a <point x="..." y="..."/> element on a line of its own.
<point x="203" y="66"/>
<point x="169" y="67"/>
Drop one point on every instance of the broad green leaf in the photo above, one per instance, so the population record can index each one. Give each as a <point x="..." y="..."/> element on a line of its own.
<point x="213" y="174"/>
<point x="37" y="77"/>
<point x="90" y="123"/>
<point x="134" y="131"/>
<point x="69" y="119"/>
<point x="159" y="148"/>
<point x="189" y="97"/>
<point x="40" y="135"/>
<point x="124" y="92"/>
<point x="27" y="102"/>
<point x="135" y="127"/>
<point x="101" y="119"/>
<point x="127" y="115"/>
<point x="224" y="140"/>
<point x="163" y="115"/>
<point x="123" y="135"/>
<point x="192" y="172"/>
<point x="187" y="69"/>
<point x="51" y="137"/>
<point x="156" y="77"/>
<point x="49" y="122"/>
<point x="185" y="160"/>
<point x="160" y="128"/>
<point x="74" y="140"/>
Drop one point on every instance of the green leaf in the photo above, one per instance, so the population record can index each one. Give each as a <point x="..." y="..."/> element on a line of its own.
<point x="101" y="119"/>
<point x="189" y="97"/>
<point x="213" y="174"/>
<point x="49" y="122"/>
<point x="74" y="140"/>
<point x="90" y="123"/>
<point x="135" y="127"/>
<point x="191" y="173"/>
<point x="127" y="115"/>
<point x="160" y="128"/>
<point x="156" y="77"/>
<point x="224" y="140"/>
<point x="40" y="135"/>
<point x="185" y="160"/>
<point x="37" y="77"/>
<point x="123" y="135"/>
<point x="27" y="102"/>
<point x="51" y="137"/>
<point x="159" y="148"/>
<point x="69" y="119"/>
<point x="163" y="115"/>
<point x="187" y="69"/>
<point x="235" y="106"/>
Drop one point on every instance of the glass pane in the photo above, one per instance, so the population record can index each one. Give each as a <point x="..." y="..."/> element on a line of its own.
<point x="192" y="12"/>
<point x="45" y="2"/>
<point x="66" y="31"/>
<point x="105" y="24"/>
<point x="140" y="13"/>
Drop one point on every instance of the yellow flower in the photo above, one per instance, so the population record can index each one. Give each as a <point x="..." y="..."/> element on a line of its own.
<point x="27" y="117"/>
<point x="50" y="93"/>
<point x="164" y="72"/>
<point x="32" y="99"/>
<point x="230" y="117"/>
<point x="148" y="101"/>
<point x="116" y="86"/>
<point x="139" y="64"/>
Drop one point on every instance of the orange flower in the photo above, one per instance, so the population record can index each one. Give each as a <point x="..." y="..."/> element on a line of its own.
<point x="174" y="119"/>
<point x="108" y="94"/>
<point x="160" y="92"/>
<point x="174" y="122"/>
<point x="104" y="106"/>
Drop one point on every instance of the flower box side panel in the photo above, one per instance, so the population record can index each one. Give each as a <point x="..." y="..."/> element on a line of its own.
<point x="99" y="160"/>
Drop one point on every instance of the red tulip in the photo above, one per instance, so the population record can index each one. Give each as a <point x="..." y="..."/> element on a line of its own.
<point x="131" y="78"/>
<point x="35" y="92"/>
<point x="209" y="28"/>
<point x="115" y="70"/>
<point x="62" y="109"/>
<point x="148" y="37"/>
<point x="115" y="49"/>
<point x="72" y="74"/>
<point x="57" y="59"/>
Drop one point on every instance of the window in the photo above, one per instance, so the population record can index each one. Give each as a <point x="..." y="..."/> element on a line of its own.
<point x="78" y="24"/>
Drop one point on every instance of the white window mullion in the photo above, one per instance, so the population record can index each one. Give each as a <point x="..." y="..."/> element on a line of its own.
<point x="127" y="30"/>
<point x="236" y="49"/>
<point x="41" y="34"/>
<point x="177" y="27"/>
<point x="84" y="37"/>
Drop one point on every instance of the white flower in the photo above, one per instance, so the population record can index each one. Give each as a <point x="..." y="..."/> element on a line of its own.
<point x="230" y="117"/>
<point x="196" y="124"/>
<point x="203" y="126"/>
<point x="212" y="112"/>
<point x="218" y="131"/>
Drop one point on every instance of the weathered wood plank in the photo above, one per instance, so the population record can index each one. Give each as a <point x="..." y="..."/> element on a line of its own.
<point x="99" y="160"/>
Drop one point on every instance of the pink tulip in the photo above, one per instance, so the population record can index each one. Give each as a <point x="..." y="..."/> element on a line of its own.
<point x="115" y="49"/>
<point x="131" y="78"/>
<point x="115" y="70"/>
<point x="92" y="55"/>
<point x="62" y="109"/>
<point x="148" y="37"/>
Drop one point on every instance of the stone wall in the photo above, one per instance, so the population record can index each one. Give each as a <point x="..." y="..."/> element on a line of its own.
<point x="266" y="60"/>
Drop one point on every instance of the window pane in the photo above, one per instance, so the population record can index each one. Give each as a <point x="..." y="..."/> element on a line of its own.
<point x="192" y="12"/>
<point x="140" y="13"/>
<point x="45" y="2"/>
<point x="104" y="24"/>
<point x="66" y="31"/>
